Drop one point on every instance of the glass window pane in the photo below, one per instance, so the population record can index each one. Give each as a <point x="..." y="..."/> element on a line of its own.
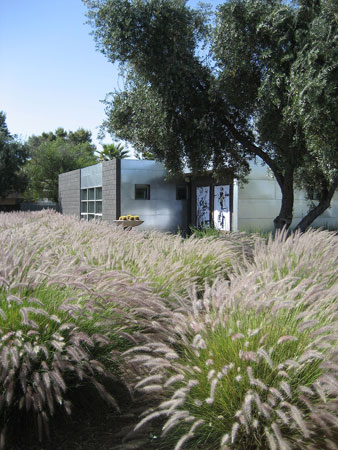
<point x="98" y="208"/>
<point x="91" y="194"/>
<point x="181" y="192"/>
<point x="142" y="191"/>
<point x="91" y="216"/>
<point x="91" y="207"/>
<point x="83" y="194"/>
<point x="84" y="207"/>
<point x="99" y="193"/>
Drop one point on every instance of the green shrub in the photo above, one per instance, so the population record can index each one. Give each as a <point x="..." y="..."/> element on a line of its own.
<point x="206" y="232"/>
<point x="48" y="349"/>
<point x="57" y="335"/>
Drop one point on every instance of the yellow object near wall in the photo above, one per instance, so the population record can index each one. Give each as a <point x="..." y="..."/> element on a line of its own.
<point x="129" y="217"/>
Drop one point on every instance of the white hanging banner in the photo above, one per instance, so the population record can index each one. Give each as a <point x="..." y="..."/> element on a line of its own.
<point x="221" y="214"/>
<point x="203" y="206"/>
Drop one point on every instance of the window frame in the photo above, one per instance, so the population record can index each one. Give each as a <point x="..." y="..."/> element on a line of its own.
<point x="147" y="191"/>
<point x="186" y="189"/>
<point x="89" y="200"/>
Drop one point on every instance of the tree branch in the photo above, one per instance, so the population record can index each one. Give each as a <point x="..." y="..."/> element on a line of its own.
<point x="245" y="141"/>
<point x="322" y="206"/>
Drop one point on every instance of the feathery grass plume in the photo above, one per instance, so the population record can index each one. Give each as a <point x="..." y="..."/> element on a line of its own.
<point x="274" y="346"/>
<point x="311" y="256"/>
<point x="44" y="358"/>
<point x="169" y="263"/>
<point x="59" y="321"/>
<point x="236" y="334"/>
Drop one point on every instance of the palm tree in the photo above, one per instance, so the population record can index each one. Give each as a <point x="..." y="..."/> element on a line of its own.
<point x="112" y="151"/>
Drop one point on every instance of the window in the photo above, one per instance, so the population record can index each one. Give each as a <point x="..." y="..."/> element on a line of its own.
<point x="182" y="193"/>
<point x="142" y="192"/>
<point x="91" y="203"/>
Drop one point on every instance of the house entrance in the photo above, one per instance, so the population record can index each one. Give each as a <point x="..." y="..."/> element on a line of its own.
<point x="221" y="214"/>
<point x="213" y="207"/>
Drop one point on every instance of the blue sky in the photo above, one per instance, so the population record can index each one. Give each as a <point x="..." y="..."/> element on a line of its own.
<point x="51" y="74"/>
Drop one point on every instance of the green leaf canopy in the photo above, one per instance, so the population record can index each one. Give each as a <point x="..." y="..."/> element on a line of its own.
<point x="256" y="78"/>
<point x="13" y="155"/>
<point x="55" y="153"/>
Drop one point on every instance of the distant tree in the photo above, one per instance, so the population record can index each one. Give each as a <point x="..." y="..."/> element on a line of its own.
<point x="13" y="155"/>
<point x="112" y="151"/>
<point x="55" y="153"/>
<point x="267" y="88"/>
<point x="80" y="136"/>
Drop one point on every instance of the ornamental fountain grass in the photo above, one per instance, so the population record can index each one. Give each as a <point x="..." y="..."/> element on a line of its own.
<point x="232" y="341"/>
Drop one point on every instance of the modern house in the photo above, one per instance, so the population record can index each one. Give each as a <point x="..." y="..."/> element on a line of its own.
<point x="141" y="187"/>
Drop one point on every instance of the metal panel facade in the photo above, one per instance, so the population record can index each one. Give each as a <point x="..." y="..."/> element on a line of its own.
<point x="162" y="211"/>
<point x="252" y="206"/>
<point x="259" y="202"/>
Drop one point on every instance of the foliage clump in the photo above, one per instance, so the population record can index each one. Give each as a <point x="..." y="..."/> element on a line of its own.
<point x="55" y="153"/>
<point x="231" y="341"/>
<point x="13" y="155"/>
<point x="253" y="363"/>
<point x="55" y="336"/>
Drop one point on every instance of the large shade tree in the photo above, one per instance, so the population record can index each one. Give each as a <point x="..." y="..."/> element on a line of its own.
<point x="314" y="79"/>
<point x="13" y="155"/>
<point x="54" y="153"/>
<point x="258" y="79"/>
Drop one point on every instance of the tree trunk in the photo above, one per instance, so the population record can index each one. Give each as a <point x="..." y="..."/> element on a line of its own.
<point x="324" y="203"/>
<point x="284" y="218"/>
